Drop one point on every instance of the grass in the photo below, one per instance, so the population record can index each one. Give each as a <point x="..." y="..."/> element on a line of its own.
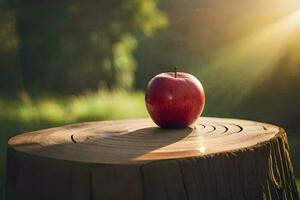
<point x="100" y="105"/>
<point x="25" y="114"/>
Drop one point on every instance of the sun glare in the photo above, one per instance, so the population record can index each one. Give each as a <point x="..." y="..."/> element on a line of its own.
<point x="249" y="60"/>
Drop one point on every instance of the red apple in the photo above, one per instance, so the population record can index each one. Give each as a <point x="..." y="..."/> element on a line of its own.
<point x="174" y="99"/>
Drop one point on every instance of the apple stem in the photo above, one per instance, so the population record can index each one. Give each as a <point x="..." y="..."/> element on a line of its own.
<point x="175" y="71"/>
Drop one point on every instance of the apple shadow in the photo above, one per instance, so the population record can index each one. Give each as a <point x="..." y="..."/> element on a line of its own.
<point x="134" y="144"/>
<point x="120" y="147"/>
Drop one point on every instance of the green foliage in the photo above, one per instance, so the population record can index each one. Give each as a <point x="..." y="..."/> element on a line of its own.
<point x="148" y="17"/>
<point x="70" y="46"/>
<point x="70" y="109"/>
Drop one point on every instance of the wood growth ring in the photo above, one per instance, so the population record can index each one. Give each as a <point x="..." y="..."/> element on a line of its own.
<point x="129" y="141"/>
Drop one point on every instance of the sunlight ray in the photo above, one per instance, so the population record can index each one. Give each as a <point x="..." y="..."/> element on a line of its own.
<point x="248" y="61"/>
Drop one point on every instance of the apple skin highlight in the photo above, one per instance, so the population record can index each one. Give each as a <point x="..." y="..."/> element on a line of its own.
<point x="174" y="99"/>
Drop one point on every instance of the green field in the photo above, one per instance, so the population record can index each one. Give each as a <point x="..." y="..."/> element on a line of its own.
<point x="26" y="113"/>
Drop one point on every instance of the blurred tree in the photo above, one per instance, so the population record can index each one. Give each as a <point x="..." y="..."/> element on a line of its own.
<point x="68" y="46"/>
<point x="10" y="74"/>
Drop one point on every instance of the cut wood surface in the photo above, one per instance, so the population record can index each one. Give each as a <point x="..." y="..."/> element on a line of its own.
<point x="134" y="159"/>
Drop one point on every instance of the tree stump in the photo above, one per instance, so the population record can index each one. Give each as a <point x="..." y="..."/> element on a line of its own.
<point x="133" y="159"/>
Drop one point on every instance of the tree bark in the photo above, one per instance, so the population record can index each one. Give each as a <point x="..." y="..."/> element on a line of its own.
<point x="133" y="159"/>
